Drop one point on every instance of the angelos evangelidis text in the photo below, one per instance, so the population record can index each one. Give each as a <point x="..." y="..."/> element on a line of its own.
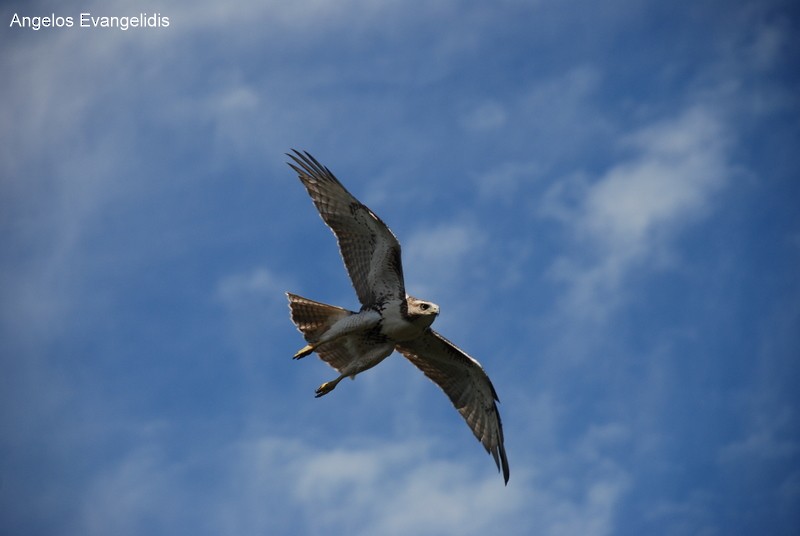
<point x="89" y="21"/>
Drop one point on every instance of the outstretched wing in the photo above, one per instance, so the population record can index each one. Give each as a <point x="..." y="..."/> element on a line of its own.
<point x="463" y="380"/>
<point x="370" y="251"/>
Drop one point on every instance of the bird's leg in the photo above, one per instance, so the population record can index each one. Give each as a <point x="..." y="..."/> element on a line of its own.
<point x="309" y="348"/>
<point x="327" y="387"/>
<point x="304" y="351"/>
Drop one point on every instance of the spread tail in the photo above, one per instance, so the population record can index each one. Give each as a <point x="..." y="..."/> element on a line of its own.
<point x="313" y="318"/>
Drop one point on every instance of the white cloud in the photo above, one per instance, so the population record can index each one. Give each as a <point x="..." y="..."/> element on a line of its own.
<point x="435" y="259"/>
<point x="255" y="304"/>
<point x="285" y="485"/>
<point x="395" y="489"/>
<point x="119" y="500"/>
<point x="629" y="214"/>
<point x="506" y="181"/>
<point x="258" y="283"/>
<point x="692" y="514"/>
<point x="489" y="115"/>
<point x="767" y="439"/>
<point x="679" y="165"/>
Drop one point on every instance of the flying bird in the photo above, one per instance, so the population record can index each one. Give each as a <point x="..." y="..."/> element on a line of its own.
<point x="389" y="319"/>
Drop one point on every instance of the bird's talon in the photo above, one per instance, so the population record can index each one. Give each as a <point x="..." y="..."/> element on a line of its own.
<point x="324" y="389"/>
<point x="304" y="351"/>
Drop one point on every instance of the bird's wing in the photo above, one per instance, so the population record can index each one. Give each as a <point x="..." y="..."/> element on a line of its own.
<point x="463" y="380"/>
<point x="370" y="251"/>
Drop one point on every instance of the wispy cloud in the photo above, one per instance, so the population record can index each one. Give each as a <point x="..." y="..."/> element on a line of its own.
<point x="489" y="115"/>
<point x="259" y="283"/>
<point x="438" y="259"/>
<point x="626" y="218"/>
<point x="375" y="488"/>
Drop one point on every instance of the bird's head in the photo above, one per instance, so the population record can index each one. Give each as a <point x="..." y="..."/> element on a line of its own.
<point x="421" y="312"/>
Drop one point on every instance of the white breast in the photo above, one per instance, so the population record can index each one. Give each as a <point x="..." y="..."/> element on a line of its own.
<point x="396" y="327"/>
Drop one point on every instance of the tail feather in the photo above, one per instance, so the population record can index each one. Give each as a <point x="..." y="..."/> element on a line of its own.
<point x="313" y="318"/>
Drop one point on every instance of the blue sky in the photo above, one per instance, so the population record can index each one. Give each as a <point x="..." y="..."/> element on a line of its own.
<point x="601" y="196"/>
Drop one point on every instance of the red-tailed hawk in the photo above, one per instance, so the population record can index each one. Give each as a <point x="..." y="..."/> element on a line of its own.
<point x="389" y="319"/>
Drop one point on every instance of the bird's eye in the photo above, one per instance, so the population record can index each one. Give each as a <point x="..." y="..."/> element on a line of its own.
<point x="424" y="306"/>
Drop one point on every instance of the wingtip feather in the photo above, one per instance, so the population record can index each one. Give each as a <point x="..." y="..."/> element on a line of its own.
<point x="504" y="462"/>
<point x="310" y="165"/>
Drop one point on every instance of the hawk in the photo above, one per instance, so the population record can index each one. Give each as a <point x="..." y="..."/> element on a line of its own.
<point x="389" y="319"/>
